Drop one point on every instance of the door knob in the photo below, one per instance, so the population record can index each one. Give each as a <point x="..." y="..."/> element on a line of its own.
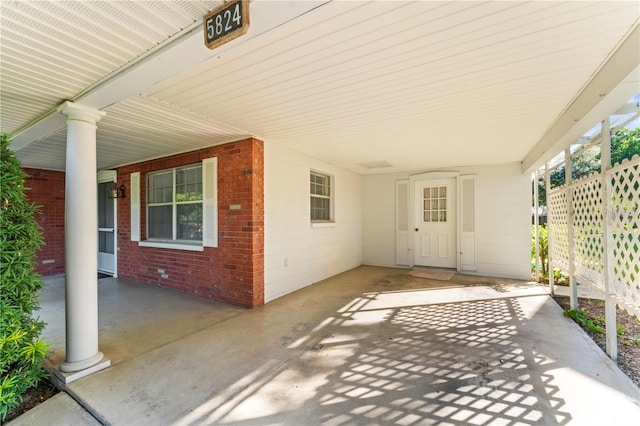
<point x="417" y="229"/>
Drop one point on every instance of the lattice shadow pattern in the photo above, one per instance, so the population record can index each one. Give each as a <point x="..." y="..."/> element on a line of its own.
<point x="457" y="363"/>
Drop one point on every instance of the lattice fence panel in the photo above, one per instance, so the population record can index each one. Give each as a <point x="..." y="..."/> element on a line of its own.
<point x="625" y="212"/>
<point x="588" y="231"/>
<point x="558" y="228"/>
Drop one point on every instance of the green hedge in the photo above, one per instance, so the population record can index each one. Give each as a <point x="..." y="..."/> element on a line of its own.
<point x="21" y="348"/>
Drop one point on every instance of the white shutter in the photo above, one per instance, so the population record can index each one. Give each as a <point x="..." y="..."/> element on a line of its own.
<point x="468" y="226"/>
<point x="402" y="222"/>
<point x="210" y="202"/>
<point x="135" y="205"/>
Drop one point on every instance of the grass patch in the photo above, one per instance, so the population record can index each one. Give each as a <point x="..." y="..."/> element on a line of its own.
<point x="632" y="341"/>
<point x="596" y="324"/>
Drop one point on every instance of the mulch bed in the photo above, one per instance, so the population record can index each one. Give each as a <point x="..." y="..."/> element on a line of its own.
<point x="628" y="345"/>
<point x="33" y="397"/>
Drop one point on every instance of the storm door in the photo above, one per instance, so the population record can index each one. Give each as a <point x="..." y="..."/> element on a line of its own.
<point x="106" y="229"/>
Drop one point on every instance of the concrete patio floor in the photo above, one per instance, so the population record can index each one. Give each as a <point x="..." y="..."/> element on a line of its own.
<point x="369" y="346"/>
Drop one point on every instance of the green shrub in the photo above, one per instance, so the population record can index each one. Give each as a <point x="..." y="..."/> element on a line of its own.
<point x="591" y="323"/>
<point x="543" y="248"/>
<point x="543" y="239"/>
<point x="580" y="316"/>
<point x="21" y="349"/>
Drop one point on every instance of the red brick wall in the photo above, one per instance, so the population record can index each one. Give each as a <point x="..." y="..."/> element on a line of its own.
<point x="47" y="192"/>
<point x="233" y="272"/>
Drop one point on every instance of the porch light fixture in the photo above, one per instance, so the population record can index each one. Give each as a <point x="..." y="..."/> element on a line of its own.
<point x="116" y="191"/>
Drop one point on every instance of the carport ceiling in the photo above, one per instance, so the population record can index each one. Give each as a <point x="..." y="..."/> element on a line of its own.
<point x="418" y="85"/>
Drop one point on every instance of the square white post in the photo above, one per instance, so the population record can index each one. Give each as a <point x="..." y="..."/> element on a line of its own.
<point x="547" y="182"/>
<point x="536" y="227"/>
<point x="611" y="329"/>
<point x="573" y="287"/>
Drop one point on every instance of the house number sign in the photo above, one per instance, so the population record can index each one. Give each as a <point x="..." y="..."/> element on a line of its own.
<point x="226" y="23"/>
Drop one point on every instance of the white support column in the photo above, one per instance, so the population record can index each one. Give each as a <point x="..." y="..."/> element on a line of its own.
<point x="611" y="330"/>
<point x="547" y="183"/>
<point x="573" y="287"/>
<point x="81" y="208"/>
<point x="536" y="226"/>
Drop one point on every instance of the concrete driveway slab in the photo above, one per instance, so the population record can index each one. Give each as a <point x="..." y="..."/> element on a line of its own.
<point x="60" y="409"/>
<point x="369" y="346"/>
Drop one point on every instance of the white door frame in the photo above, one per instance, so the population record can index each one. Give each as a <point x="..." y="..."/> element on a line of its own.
<point x="103" y="177"/>
<point x="412" y="217"/>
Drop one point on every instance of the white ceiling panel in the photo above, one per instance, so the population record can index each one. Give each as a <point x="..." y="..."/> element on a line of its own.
<point x="447" y="82"/>
<point x="419" y="85"/>
<point x="153" y="130"/>
<point x="54" y="50"/>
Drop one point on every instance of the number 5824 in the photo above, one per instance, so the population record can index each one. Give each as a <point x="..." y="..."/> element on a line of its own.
<point x="225" y="21"/>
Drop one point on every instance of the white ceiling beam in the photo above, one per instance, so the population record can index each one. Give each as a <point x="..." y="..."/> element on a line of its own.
<point x="172" y="58"/>
<point x="629" y="108"/>
<point x="613" y="85"/>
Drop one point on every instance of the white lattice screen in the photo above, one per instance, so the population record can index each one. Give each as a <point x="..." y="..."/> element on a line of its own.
<point x="588" y="231"/>
<point x="624" y="228"/>
<point x="625" y="220"/>
<point x="558" y="227"/>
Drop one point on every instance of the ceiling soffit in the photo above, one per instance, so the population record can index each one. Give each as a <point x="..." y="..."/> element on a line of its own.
<point x="417" y="85"/>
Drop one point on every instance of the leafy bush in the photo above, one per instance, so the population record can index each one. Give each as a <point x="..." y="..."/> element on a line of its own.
<point x="543" y="238"/>
<point x="543" y="247"/>
<point x="21" y="349"/>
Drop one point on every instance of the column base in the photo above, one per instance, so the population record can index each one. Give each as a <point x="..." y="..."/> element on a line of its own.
<point x="69" y="372"/>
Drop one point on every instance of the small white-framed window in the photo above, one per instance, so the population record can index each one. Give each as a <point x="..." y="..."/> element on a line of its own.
<point x="321" y="192"/>
<point x="179" y="201"/>
<point x="175" y="204"/>
<point x="184" y="211"/>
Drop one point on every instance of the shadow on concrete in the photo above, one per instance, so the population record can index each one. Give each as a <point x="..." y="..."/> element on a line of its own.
<point x="369" y="346"/>
<point x="446" y="363"/>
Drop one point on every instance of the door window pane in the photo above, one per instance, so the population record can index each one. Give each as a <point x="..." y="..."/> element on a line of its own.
<point x="105" y="242"/>
<point x="105" y="206"/>
<point x="435" y="204"/>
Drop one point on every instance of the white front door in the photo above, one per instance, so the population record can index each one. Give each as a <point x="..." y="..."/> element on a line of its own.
<point x="106" y="229"/>
<point x="435" y="223"/>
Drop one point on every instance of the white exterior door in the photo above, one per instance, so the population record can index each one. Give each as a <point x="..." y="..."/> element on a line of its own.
<point x="106" y="229"/>
<point x="435" y="223"/>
